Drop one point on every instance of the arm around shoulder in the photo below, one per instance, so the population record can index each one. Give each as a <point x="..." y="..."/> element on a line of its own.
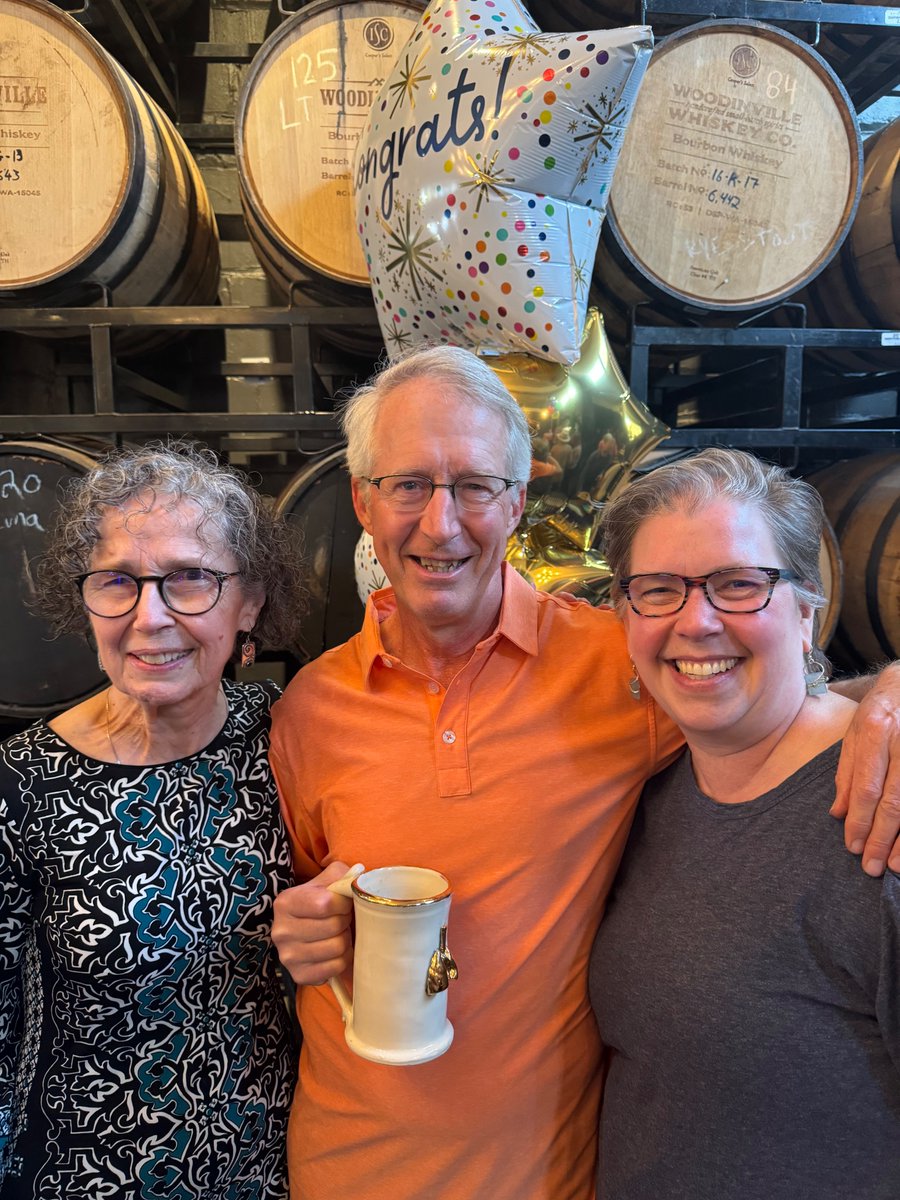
<point x="868" y="779"/>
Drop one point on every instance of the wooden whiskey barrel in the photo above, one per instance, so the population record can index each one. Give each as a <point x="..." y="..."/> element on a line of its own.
<point x="97" y="189"/>
<point x="862" y="500"/>
<point x="40" y="675"/>
<point x="318" y="498"/>
<point x="739" y="173"/>
<point x="831" y="568"/>
<point x="300" y="114"/>
<point x="860" y="287"/>
<point x="849" y="50"/>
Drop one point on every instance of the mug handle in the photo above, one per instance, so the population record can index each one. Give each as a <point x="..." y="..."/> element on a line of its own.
<point x="342" y="888"/>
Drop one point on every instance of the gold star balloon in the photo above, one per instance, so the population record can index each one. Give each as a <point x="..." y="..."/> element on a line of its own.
<point x="605" y="429"/>
<point x="544" y="557"/>
<point x="482" y="176"/>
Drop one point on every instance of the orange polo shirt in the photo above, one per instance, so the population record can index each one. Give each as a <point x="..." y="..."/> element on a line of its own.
<point x="518" y="782"/>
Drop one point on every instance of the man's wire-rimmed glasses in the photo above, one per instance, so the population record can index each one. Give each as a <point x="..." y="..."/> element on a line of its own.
<point x="736" y="590"/>
<point x="189" y="591"/>
<point x="412" y="493"/>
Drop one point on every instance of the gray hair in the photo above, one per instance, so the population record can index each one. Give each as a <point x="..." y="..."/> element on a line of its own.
<point x="791" y="509"/>
<point x="265" y="547"/>
<point x="463" y="374"/>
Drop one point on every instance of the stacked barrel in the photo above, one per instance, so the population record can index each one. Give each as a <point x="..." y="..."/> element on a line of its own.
<point x="102" y="202"/>
<point x="743" y="183"/>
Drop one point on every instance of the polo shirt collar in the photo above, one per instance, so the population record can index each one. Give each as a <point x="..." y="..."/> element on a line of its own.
<point x="518" y="611"/>
<point x="379" y="605"/>
<point x="518" y="618"/>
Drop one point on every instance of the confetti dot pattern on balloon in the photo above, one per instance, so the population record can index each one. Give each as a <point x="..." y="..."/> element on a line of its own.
<point x="485" y="165"/>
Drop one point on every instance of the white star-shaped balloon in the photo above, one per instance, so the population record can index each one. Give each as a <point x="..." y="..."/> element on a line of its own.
<point x="482" y="176"/>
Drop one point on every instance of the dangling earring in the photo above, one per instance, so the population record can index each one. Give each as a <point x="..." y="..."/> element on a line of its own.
<point x="634" y="684"/>
<point x="814" y="675"/>
<point x="100" y="663"/>
<point x="248" y="650"/>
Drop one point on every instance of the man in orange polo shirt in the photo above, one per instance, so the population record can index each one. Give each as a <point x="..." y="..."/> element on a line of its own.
<point x="488" y="731"/>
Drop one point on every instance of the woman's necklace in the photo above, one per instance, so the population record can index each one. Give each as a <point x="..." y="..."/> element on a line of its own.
<point x="112" y="744"/>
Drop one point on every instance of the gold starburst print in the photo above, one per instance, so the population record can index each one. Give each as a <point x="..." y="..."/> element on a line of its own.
<point x="413" y="251"/>
<point x="526" y="46"/>
<point x="605" y="128"/>
<point x="399" y="340"/>
<point x="409" y="80"/>
<point x="487" y="181"/>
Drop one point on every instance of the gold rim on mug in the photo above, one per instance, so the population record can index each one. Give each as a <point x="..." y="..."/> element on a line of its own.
<point x="392" y="903"/>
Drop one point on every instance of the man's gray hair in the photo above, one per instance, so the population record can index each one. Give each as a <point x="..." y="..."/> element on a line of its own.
<point x="791" y="509"/>
<point x="459" y="372"/>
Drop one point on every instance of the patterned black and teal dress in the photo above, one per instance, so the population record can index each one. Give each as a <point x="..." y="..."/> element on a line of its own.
<point x="145" y="1048"/>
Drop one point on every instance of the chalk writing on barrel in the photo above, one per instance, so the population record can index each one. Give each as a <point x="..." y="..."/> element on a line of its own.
<point x="22" y="519"/>
<point x="10" y="486"/>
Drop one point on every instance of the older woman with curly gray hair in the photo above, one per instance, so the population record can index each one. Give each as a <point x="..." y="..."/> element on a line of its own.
<point x="145" y="1049"/>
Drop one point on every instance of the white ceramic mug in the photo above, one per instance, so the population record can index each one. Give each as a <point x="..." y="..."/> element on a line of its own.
<point x="401" y="965"/>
